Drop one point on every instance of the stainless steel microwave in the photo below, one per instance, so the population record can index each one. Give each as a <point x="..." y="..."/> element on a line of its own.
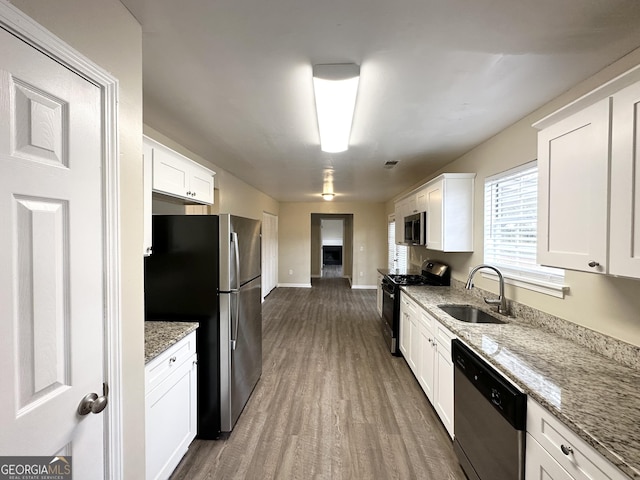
<point x="415" y="229"/>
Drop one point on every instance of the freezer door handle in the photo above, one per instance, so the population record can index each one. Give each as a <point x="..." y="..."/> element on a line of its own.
<point x="236" y="274"/>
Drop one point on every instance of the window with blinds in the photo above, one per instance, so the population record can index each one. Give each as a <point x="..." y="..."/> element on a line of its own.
<point x="397" y="253"/>
<point x="510" y="224"/>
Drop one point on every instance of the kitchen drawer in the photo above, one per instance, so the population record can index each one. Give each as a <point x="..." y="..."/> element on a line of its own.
<point x="444" y="336"/>
<point x="408" y="303"/>
<point x="164" y="364"/>
<point x="581" y="461"/>
<point x="427" y="321"/>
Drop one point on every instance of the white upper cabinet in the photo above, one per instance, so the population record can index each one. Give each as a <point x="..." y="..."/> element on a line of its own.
<point x="175" y="175"/>
<point x="401" y="210"/>
<point x="449" y="199"/>
<point x="410" y="206"/>
<point x="573" y="163"/>
<point x="588" y="200"/>
<point x="421" y="200"/>
<point x="448" y="203"/>
<point x="625" y="183"/>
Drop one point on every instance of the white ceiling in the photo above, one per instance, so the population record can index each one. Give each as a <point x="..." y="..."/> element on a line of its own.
<point x="231" y="80"/>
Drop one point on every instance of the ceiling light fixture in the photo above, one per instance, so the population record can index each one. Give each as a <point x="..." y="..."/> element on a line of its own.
<point x="335" y="87"/>
<point x="328" y="196"/>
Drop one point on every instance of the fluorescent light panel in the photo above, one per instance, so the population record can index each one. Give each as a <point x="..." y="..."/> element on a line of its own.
<point x="336" y="87"/>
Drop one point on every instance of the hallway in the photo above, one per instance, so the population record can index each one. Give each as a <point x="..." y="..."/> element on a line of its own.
<point x="332" y="403"/>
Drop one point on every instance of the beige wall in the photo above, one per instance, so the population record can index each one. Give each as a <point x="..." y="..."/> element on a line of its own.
<point x="602" y="303"/>
<point x="369" y="234"/>
<point x="105" y="32"/>
<point x="232" y="194"/>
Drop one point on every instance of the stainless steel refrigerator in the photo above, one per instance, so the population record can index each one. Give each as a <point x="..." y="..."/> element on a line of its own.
<point x="240" y="315"/>
<point x="206" y="268"/>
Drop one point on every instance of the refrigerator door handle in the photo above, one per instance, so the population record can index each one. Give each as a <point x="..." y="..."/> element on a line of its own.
<point x="235" y="318"/>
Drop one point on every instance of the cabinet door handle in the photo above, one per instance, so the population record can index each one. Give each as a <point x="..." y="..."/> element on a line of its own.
<point x="593" y="264"/>
<point x="172" y="360"/>
<point x="566" y="449"/>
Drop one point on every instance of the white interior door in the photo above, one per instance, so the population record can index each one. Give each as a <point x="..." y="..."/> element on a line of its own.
<point x="269" y="253"/>
<point x="51" y="262"/>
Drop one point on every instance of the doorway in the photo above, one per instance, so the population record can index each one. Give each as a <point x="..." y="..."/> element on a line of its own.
<point x="332" y="242"/>
<point x="331" y="245"/>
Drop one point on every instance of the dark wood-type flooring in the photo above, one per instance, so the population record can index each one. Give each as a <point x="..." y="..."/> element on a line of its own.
<point x="332" y="402"/>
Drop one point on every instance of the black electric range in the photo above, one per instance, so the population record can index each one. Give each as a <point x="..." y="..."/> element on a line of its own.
<point x="433" y="274"/>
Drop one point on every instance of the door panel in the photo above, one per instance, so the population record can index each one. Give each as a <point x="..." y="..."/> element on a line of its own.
<point x="51" y="267"/>
<point x="246" y="359"/>
<point x="248" y="231"/>
<point x="573" y="182"/>
<point x="625" y="183"/>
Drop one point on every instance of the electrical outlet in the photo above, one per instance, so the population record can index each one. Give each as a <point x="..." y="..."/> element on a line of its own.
<point x="362" y="274"/>
<point x="290" y="271"/>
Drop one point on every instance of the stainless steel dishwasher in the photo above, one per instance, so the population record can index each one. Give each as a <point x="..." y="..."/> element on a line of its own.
<point x="490" y="419"/>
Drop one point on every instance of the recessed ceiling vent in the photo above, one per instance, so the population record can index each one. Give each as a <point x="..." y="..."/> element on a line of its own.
<point x="390" y="163"/>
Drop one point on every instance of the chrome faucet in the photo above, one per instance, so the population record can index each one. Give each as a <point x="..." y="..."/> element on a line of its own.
<point x="501" y="301"/>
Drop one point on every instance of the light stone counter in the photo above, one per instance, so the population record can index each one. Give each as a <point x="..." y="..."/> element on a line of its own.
<point x="595" y="396"/>
<point x="158" y="336"/>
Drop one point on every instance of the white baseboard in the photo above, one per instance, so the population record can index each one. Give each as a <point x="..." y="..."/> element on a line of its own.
<point x="364" y="287"/>
<point x="294" y="285"/>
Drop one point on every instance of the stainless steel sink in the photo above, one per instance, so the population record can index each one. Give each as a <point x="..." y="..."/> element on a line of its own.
<point x="469" y="314"/>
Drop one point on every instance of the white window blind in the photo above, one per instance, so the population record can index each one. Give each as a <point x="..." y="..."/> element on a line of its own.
<point x="397" y="253"/>
<point x="510" y="228"/>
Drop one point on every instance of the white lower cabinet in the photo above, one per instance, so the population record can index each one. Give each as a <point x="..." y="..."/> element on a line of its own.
<point x="443" y="390"/>
<point x="540" y="465"/>
<point x="170" y="407"/>
<point x="426" y="346"/>
<point x="408" y="309"/>
<point x="554" y="452"/>
<point x="427" y="370"/>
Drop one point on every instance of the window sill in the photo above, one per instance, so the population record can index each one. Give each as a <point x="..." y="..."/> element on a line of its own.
<point x="557" y="290"/>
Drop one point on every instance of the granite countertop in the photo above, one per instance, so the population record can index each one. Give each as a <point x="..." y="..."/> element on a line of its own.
<point x="158" y="336"/>
<point x="596" y="397"/>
